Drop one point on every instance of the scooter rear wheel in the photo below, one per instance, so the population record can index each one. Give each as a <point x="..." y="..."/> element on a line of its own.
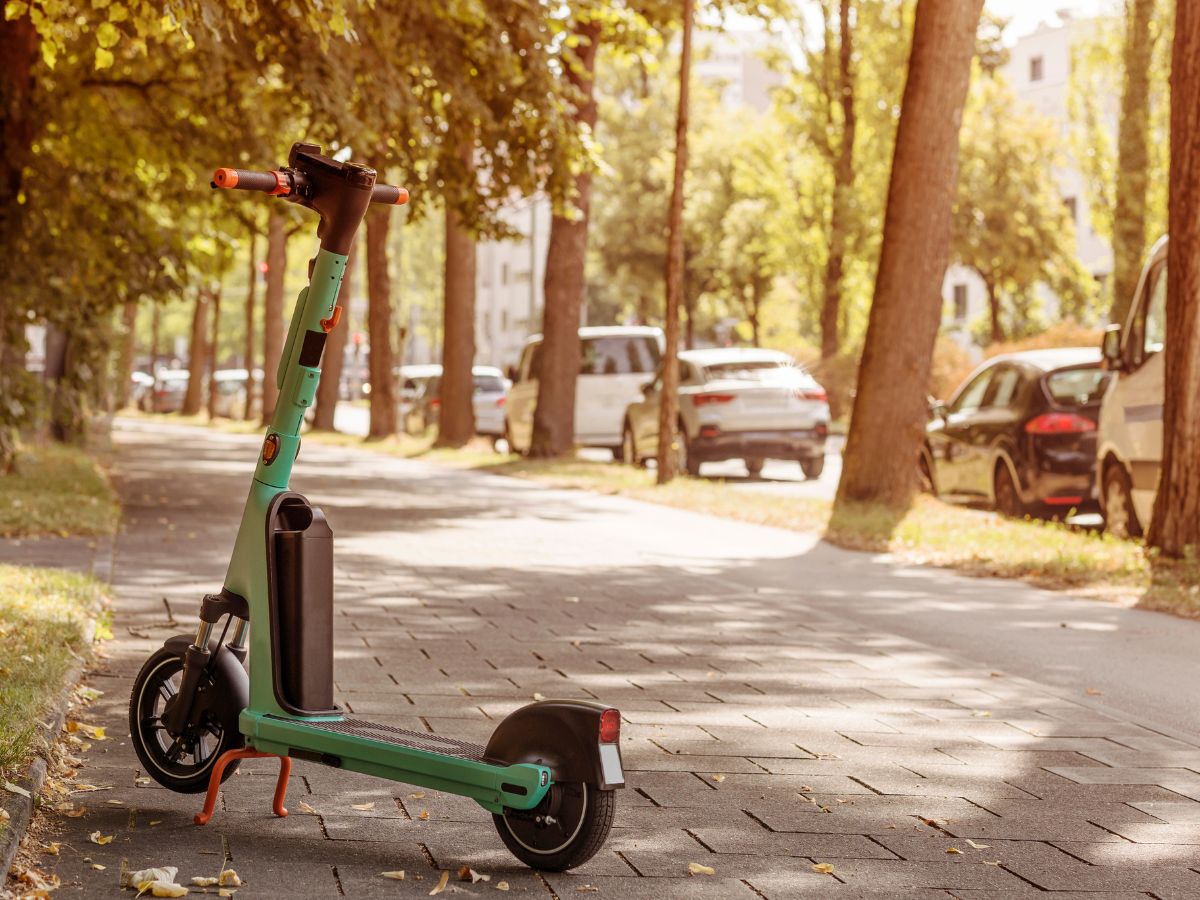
<point x="180" y="762"/>
<point x="565" y="830"/>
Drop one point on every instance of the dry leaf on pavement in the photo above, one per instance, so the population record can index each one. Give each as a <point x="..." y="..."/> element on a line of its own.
<point x="976" y="846"/>
<point x="698" y="869"/>
<point x="424" y="816"/>
<point x="97" y="838"/>
<point x="229" y="878"/>
<point x="502" y="885"/>
<point x="953" y="850"/>
<point x="397" y="875"/>
<point x="466" y="873"/>
<point x="305" y="808"/>
<point x="442" y="882"/>
<point x="823" y="868"/>
<point x="363" y="807"/>
<point x="718" y="778"/>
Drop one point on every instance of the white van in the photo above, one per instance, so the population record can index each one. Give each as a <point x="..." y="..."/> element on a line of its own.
<point x="616" y="362"/>
<point x="1129" y="448"/>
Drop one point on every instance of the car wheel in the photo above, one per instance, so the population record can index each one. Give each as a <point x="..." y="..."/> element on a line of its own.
<point x="1120" y="518"/>
<point x="684" y="462"/>
<point x="1007" y="497"/>
<point x="812" y="467"/>
<point x="628" y="448"/>
<point x="925" y="474"/>
<point x="754" y="465"/>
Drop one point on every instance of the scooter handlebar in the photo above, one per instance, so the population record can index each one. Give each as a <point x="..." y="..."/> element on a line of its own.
<point x="283" y="183"/>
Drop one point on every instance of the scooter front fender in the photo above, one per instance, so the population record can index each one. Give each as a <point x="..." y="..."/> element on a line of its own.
<point x="230" y="692"/>
<point x="561" y="734"/>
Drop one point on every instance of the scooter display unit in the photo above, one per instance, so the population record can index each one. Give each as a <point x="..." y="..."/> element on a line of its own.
<point x="549" y="771"/>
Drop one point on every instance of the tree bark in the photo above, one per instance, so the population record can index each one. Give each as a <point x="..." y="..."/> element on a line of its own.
<point x="668" y="407"/>
<point x="1133" y="157"/>
<point x="54" y="370"/>
<point x="128" y="350"/>
<point x="193" y="399"/>
<point x="213" y="349"/>
<point x="329" y="388"/>
<point x="379" y="326"/>
<point x="843" y="192"/>
<point x="554" y="415"/>
<point x="456" y="418"/>
<point x="994" y="311"/>
<point x="1175" y="525"/>
<point x="248" y="353"/>
<point x="273" y="332"/>
<point x="155" y="339"/>
<point x="888" y="422"/>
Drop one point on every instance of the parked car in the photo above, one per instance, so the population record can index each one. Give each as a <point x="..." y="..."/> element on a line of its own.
<point x="736" y="403"/>
<point x="411" y="381"/>
<point x="1019" y="433"/>
<point x="487" y="402"/>
<point x="616" y="361"/>
<point x="1129" y="456"/>
<point x="232" y="391"/>
<point x="170" y="386"/>
<point x="141" y="390"/>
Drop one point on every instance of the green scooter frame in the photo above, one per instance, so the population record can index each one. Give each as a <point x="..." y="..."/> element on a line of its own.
<point x="549" y="771"/>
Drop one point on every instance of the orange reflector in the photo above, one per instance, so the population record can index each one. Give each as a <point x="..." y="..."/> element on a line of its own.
<point x="225" y="178"/>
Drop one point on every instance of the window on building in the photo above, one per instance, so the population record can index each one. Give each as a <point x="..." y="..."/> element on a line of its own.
<point x="960" y="302"/>
<point x="1072" y="206"/>
<point x="1037" y="68"/>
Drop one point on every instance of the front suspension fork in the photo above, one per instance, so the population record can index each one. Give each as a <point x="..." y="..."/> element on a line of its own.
<point x="177" y="716"/>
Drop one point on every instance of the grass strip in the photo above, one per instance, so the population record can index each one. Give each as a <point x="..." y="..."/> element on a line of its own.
<point x="56" y="490"/>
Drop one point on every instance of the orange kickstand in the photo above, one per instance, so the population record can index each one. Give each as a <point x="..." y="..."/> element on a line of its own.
<point x="214" y="781"/>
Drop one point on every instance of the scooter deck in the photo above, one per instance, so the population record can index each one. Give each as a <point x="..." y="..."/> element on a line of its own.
<point x="412" y="757"/>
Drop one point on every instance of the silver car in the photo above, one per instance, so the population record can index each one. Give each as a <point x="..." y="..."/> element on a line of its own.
<point x="488" y="400"/>
<point x="736" y="403"/>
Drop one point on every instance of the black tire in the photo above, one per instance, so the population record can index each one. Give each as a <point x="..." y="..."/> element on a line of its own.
<point x="156" y="747"/>
<point x="754" y="465"/>
<point x="1007" y="496"/>
<point x="1120" y="517"/>
<point x="812" y="467"/>
<point x="583" y="816"/>
<point x="628" y="447"/>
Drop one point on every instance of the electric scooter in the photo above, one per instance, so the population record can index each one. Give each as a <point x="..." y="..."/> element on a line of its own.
<point x="549" y="771"/>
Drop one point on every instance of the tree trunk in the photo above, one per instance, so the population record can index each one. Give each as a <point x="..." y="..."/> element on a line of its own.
<point x="155" y="339"/>
<point x="273" y="333"/>
<point x="1133" y="157"/>
<point x="456" y="418"/>
<point x="689" y="326"/>
<point x="329" y="388"/>
<point x="248" y="353"/>
<point x="554" y="415"/>
<point x="379" y="326"/>
<point x="756" y="292"/>
<point x="1175" y="526"/>
<point x="668" y="407"/>
<point x="128" y="350"/>
<point x="213" y="350"/>
<point x="193" y="399"/>
<point x="993" y="297"/>
<point x="843" y="192"/>
<point x="888" y="423"/>
<point x="54" y="370"/>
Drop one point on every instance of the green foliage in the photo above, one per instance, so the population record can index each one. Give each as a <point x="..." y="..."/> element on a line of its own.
<point x="1010" y="224"/>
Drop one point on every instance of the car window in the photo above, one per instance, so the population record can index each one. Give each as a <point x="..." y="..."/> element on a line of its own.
<point x="745" y="370"/>
<point x="1003" y="389"/>
<point x="970" y="398"/>
<point x="489" y="384"/>
<point x="1077" y="387"/>
<point x="618" y="356"/>
<point x="1150" y="322"/>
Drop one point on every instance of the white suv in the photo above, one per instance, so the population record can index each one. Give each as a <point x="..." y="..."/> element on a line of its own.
<point x="616" y="361"/>
<point x="1129" y="450"/>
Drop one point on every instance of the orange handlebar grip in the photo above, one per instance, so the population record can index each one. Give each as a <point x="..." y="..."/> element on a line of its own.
<point x="401" y="196"/>
<point x="225" y="178"/>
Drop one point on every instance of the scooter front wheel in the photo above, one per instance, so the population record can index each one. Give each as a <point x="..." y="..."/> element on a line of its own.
<point x="565" y="830"/>
<point x="181" y="762"/>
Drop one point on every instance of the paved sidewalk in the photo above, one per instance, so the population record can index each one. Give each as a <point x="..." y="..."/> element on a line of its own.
<point x="764" y="731"/>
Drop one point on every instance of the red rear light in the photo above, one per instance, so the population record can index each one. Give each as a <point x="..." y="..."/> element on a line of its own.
<point x="610" y="726"/>
<point x="1059" y="423"/>
<point x="435" y="403"/>
<point x="822" y="429"/>
<point x="500" y="401"/>
<point x="709" y="431"/>
<point x="817" y="393"/>
<point x="705" y="399"/>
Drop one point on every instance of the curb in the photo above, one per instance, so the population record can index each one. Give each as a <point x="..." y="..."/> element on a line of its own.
<point x="18" y="806"/>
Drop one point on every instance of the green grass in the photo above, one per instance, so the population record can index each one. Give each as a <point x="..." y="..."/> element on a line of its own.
<point x="56" y="490"/>
<point x="47" y="625"/>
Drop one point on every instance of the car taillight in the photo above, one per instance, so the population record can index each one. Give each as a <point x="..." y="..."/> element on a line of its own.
<point x="822" y="429"/>
<point x="705" y="399"/>
<point x="610" y="726"/>
<point x="500" y="401"/>
<point x="817" y="393"/>
<point x="1059" y="423"/>
<point x="435" y="403"/>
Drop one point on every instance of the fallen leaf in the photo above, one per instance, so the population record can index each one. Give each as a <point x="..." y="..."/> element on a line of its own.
<point x="87" y="693"/>
<point x="502" y="885"/>
<point x="166" y="889"/>
<point x="115" y="802"/>
<point x="154" y="822"/>
<point x="95" y="732"/>
<point x="424" y="816"/>
<point x="98" y="867"/>
<point x="305" y="808"/>
<point x="698" y="869"/>
<point x="226" y="892"/>
<point x="828" y="756"/>
<point x="442" y="882"/>
<point x="466" y="873"/>
<point x="363" y="807"/>
<point x="587" y="889"/>
<point x="74" y="812"/>
<point x="97" y="838"/>
<point x="200" y="881"/>
<point x="538" y="696"/>
<point x="4" y="816"/>
<point x="229" y="878"/>
<point x="571" y="599"/>
<point x="419" y="795"/>
<point x="823" y="868"/>
<point x="806" y="787"/>
<point x="997" y="674"/>
<point x="143" y="780"/>
<point x="16" y="789"/>
<point x="397" y="875"/>
<point x="991" y="862"/>
<point x="52" y="848"/>
<point x="1092" y="692"/>
<point x="718" y="778"/>
<point x="146" y="876"/>
<point x="953" y="850"/>
<point x="932" y="822"/>
<point x="977" y="846"/>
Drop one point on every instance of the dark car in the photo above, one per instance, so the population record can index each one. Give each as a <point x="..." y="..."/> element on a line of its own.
<point x="1019" y="433"/>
